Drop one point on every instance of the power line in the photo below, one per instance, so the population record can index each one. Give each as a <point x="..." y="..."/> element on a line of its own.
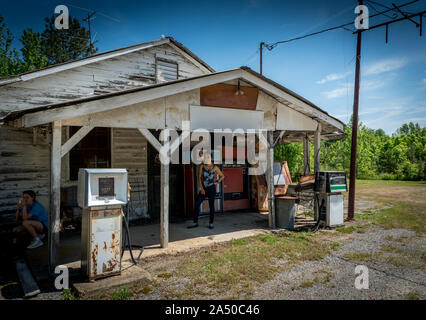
<point x="97" y="12"/>
<point x="273" y="45"/>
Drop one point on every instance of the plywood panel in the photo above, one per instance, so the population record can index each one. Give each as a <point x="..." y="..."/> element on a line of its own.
<point x="223" y="95"/>
<point x="292" y="120"/>
<point x="210" y="118"/>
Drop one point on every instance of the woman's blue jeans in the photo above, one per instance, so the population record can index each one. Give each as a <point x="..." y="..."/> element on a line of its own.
<point x="210" y="192"/>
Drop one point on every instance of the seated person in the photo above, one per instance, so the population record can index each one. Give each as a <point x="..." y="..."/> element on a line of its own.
<point x="34" y="218"/>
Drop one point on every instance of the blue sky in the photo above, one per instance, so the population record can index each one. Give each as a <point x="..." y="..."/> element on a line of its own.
<point x="226" y="34"/>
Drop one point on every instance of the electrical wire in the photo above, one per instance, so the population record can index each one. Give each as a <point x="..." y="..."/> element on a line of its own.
<point x="273" y="45"/>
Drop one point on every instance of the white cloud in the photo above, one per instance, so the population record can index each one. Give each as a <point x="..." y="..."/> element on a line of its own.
<point x="416" y="119"/>
<point x="336" y="93"/>
<point x="333" y="77"/>
<point x="385" y="65"/>
<point x="366" y="86"/>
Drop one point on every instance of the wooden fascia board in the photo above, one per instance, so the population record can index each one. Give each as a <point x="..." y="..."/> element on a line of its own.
<point x="126" y="99"/>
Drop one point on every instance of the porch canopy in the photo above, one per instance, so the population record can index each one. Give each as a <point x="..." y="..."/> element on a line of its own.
<point x="263" y="104"/>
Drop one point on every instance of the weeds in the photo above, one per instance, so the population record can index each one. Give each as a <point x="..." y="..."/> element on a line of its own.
<point x="122" y="294"/>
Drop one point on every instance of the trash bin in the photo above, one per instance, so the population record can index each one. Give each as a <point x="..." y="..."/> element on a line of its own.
<point x="284" y="212"/>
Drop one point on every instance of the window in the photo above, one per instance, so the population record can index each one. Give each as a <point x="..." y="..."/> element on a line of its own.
<point x="93" y="151"/>
<point x="166" y="70"/>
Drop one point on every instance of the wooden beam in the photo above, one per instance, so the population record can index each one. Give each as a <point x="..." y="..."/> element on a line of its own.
<point x="270" y="179"/>
<point x="279" y="137"/>
<point x="306" y="156"/>
<point x="55" y="195"/>
<point x="76" y="138"/>
<point x="151" y="139"/>
<point x="164" y="211"/>
<point x="317" y="148"/>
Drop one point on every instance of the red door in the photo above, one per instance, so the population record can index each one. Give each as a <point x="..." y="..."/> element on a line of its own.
<point x="235" y="189"/>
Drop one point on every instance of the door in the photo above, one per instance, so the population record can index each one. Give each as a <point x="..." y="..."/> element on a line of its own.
<point x="235" y="188"/>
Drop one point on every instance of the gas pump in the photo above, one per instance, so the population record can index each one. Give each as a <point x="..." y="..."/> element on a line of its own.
<point x="328" y="188"/>
<point x="101" y="195"/>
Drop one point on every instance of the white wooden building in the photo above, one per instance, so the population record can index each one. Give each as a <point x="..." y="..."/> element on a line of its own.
<point x="106" y="110"/>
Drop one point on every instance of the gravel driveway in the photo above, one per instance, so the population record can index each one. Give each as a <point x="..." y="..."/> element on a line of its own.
<point x="334" y="276"/>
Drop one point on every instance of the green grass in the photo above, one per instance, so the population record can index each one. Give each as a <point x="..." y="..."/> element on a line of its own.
<point x="401" y="215"/>
<point x="164" y="275"/>
<point x="412" y="295"/>
<point x="239" y="266"/>
<point x="387" y="183"/>
<point x="348" y="229"/>
<point x="7" y="284"/>
<point x="414" y="258"/>
<point x="68" y="294"/>
<point x="122" y="294"/>
<point x="359" y="256"/>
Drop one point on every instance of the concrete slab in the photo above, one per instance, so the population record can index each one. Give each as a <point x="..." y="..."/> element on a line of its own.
<point x="130" y="275"/>
<point x="227" y="227"/>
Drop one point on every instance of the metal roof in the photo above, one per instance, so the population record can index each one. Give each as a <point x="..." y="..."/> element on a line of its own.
<point x="99" y="57"/>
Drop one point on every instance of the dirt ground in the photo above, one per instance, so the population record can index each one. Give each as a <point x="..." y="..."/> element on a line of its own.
<point x="395" y="257"/>
<point x="387" y="237"/>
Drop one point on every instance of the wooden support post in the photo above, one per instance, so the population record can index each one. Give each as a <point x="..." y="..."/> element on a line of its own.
<point x="317" y="148"/>
<point x="164" y="212"/>
<point x="317" y="166"/>
<point x="55" y="195"/>
<point x="270" y="179"/>
<point x="164" y="196"/>
<point x="306" y="156"/>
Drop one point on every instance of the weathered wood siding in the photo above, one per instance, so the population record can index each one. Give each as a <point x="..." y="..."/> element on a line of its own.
<point x="114" y="74"/>
<point x="129" y="151"/>
<point x="24" y="164"/>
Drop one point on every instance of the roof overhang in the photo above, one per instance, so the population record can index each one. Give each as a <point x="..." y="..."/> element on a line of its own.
<point x="87" y="106"/>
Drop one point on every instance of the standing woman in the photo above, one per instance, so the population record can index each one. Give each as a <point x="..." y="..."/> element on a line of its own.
<point x="207" y="174"/>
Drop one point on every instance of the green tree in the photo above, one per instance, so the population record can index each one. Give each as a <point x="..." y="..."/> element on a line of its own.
<point x="9" y="57"/>
<point x="293" y="154"/>
<point x="65" y="44"/>
<point x="32" y="55"/>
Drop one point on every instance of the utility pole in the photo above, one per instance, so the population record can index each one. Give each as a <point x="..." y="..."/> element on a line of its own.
<point x="261" y="51"/>
<point x="352" y="170"/>
<point x="89" y="16"/>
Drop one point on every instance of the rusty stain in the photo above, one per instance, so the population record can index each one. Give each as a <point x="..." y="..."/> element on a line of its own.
<point x="105" y="246"/>
<point x="115" y="245"/>
<point x="95" y="260"/>
<point x="111" y="265"/>
<point x="95" y="214"/>
<point x="114" y="212"/>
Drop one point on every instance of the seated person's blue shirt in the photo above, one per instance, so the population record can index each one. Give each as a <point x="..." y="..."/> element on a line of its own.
<point x="38" y="213"/>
